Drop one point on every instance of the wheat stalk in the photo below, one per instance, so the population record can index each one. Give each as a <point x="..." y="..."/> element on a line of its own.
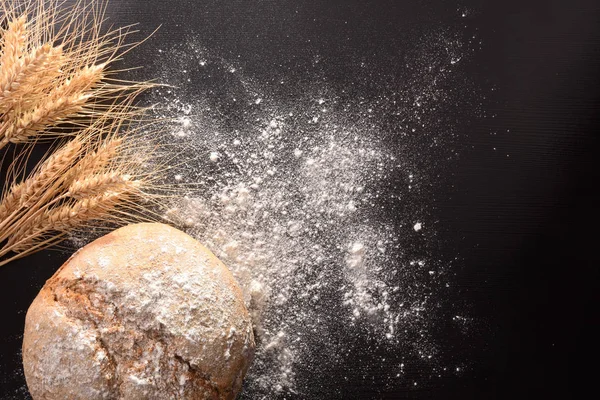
<point x="55" y="73"/>
<point x="65" y="218"/>
<point x="24" y="82"/>
<point x="95" y="185"/>
<point x="23" y="194"/>
<point x="54" y="68"/>
<point x="13" y="41"/>
<point x="91" y="179"/>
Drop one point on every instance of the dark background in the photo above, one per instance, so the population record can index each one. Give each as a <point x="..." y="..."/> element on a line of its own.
<point x="524" y="225"/>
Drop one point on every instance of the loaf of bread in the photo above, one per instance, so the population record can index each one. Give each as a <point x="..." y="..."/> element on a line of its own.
<point x="145" y="312"/>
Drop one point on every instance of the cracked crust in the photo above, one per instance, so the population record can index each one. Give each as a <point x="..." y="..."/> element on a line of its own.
<point x="145" y="312"/>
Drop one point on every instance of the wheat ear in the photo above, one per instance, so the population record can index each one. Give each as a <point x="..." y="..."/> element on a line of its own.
<point x="13" y="42"/>
<point x="97" y="184"/>
<point x="55" y="80"/>
<point x="65" y="218"/>
<point x="29" y="76"/>
<point x="65" y="101"/>
<point x="25" y="193"/>
<point x="54" y="68"/>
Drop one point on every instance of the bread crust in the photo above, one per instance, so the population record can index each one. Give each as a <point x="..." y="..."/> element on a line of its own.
<point x="145" y="312"/>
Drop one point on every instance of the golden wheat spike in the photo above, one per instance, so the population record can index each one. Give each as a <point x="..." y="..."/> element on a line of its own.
<point x="55" y="222"/>
<point x="55" y="67"/>
<point x="107" y="183"/>
<point x="31" y="78"/>
<point x="14" y="42"/>
<point x="55" y="70"/>
<point x="97" y="184"/>
<point x="24" y="193"/>
<point x="55" y="110"/>
<point x="13" y="76"/>
<point x="63" y="219"/>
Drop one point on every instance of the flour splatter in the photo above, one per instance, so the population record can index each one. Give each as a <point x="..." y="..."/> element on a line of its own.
<point x="319" y="204"/>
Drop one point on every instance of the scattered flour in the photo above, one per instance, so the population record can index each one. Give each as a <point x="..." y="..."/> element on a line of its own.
<point x="313" y="210"/>
<point x="318" y="202"/>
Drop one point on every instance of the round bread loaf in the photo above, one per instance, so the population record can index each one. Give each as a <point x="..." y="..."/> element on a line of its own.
<point x="145" y="312"/>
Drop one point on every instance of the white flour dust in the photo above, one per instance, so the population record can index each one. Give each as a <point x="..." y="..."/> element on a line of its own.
<point x="321" y="210"/>
<point x="319" y="198"/>
<point x="286" y="215"/>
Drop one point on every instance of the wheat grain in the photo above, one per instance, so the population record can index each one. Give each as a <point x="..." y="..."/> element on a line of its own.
<point x="14" y="41"/>
<point x="95" y="185"/>
<point x="67" y="217"/>
<point x="54" y="74"/>
<point x="55" y="166"/>
<point x="53" y="111"/>
<point x="13" y="76"/>
<point x="30" y="78"/>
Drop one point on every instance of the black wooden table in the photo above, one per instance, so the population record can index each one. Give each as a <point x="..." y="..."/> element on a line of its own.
<point x="510" y="159"/>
